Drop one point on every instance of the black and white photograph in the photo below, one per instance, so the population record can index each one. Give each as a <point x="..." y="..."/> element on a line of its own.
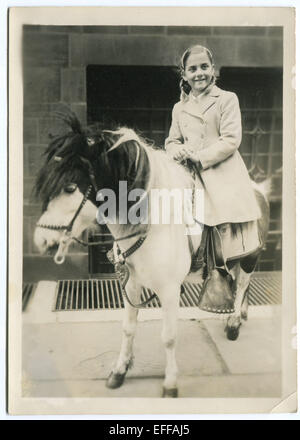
<point x="152" y="210"/>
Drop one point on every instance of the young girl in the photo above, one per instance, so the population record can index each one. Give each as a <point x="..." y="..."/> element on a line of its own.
<point x="205" y="135"/>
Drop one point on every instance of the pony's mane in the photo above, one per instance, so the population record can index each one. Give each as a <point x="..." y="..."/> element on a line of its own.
<point x="164" y="171"/>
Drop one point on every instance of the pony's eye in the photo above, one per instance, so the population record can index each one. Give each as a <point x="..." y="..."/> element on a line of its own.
<point x="71" y="187"/>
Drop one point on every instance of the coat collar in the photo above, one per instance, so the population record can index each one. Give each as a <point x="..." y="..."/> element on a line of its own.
<point x="198" y="106"/>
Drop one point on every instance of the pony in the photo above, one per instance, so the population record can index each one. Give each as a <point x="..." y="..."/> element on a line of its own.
<point x="78" y="166"/>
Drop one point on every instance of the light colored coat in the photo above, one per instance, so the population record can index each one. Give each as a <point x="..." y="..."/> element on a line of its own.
<point x="211" y="125"/>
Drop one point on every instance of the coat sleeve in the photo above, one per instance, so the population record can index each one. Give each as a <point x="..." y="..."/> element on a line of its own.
<point x="230" y="133"/>
<point x="175" y="140"/>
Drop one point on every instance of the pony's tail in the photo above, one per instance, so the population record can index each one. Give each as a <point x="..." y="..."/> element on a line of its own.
<point x="265" y="187"/>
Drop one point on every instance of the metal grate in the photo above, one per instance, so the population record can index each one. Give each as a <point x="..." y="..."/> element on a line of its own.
<point x="28" y="289"/>
<point x="265" y="288"/>
<point x="99" y="294"/>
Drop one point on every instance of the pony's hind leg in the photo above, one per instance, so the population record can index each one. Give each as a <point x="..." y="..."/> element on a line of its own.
<point x="170" y="304"/>
<point x="125" y="359"/>
<point x="235" y="319"/>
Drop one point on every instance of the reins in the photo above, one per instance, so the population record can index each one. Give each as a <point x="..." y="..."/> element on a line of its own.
<point x="96" y="243"/>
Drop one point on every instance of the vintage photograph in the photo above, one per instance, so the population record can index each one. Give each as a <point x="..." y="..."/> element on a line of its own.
<point x="157" y="210"/>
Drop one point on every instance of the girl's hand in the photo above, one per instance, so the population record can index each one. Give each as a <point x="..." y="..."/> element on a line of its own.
<point x="190" y="154"/>
<point x="180" y="155"/>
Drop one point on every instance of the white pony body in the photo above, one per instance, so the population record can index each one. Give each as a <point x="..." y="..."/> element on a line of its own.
<point x="161" y="263"/>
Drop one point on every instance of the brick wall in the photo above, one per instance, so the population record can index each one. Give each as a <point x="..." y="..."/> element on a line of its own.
<point x="56" y="57"/>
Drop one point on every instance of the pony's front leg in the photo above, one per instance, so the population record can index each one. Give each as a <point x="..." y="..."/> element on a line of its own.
<point x="235" y="320"/>
<point x="125" y="359"/>
<point x="170" y="304"/>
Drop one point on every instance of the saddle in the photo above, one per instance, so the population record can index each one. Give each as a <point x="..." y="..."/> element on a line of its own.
<point x="216" y="292"/>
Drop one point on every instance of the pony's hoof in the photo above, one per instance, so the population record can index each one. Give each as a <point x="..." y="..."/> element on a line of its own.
<point x="232" y="333"/>
<point x="170" y="392"/>
<point x="115" y="380"/>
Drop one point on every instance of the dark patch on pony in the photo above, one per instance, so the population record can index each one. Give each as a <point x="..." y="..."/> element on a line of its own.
<point x="66" y="159"/>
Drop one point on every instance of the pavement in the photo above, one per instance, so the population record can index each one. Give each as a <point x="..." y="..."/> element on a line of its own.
<point x="70" y="354"/>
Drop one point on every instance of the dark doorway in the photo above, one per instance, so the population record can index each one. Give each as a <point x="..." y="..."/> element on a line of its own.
<point x="140" y="97"/>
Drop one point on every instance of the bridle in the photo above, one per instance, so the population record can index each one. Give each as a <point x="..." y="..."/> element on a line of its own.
<point x="68" y="228"/>
<point x="67" y="236"/>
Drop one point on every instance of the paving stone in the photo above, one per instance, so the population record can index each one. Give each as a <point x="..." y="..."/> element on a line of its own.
<point x="258" y="348"/>
<point x="243" y="386"/>
<point x="89" y="350"/>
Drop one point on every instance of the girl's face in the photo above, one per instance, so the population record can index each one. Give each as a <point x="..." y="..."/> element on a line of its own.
<point x="198" y="72"/>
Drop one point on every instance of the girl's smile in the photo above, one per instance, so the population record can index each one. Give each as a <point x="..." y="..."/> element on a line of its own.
<point x="198" y="72"/>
